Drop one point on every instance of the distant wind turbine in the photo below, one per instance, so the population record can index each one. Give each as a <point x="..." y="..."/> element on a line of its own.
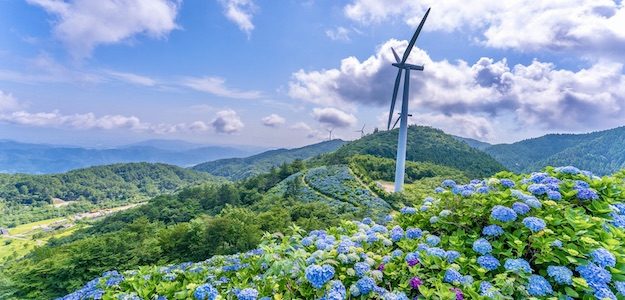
<point x="400" y="166"/>
<point x="362" y="130"/>
<point x="330" y="131"/>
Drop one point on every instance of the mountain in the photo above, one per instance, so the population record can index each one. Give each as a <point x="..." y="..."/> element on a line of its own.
<point x="425" y="144"/>
<point x="16" y="157"/>
<point x="601" y="151"/>
<point x="479" y="145"/>
<point x="241" y="168"/>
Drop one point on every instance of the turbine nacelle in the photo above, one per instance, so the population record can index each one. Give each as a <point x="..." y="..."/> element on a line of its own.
<point x="408" y="66"/>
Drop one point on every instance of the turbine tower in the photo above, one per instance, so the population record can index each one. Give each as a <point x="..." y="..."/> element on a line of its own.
<point x="400" y="166"/>
<point x="362" y="130"/>
<point x="330" y="131"/>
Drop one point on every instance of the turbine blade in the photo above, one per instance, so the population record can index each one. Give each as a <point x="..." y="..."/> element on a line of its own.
<point x="390" y="114"/>
<point x="399" y="118"/>
<point x="414" y="37"/>
<point x="396" y="56"/>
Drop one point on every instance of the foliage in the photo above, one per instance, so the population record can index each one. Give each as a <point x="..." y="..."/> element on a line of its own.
<point x="445" y="248"/>
<point x="242" y="168"/>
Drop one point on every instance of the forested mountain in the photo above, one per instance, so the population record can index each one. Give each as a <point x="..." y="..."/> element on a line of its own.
<point x="241" y="168"/>
<point x="425" y="144"/>
<point x="602" y="151"/>
<point x="474" y="143"/>
<point x="18" y="157"/>
<point x="32" y="194"/>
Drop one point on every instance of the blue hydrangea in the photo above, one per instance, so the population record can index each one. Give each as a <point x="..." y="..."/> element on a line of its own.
<point x="205" y="292"/>
<point x="367" y="221"/>
<point x="482" y="246"/>
<point x="448" y="183"/>
<point x="319" y="275"/>
<point x="434" y="219"/>
<point x="439" y="190"/>
<point x="433" y="240"/>
<point x="379" y="228"/>
<point x="452" y="255"/>
<point x="580" y="184"/>
<point x="397" y="233"/>
<point x="397" y="253"/>
<point x="604" y="292"/>
<point x="603" y="258"/>
<point x="395" y="296"/>
<point x="487" y="290"/>
<point x="534" y="224"/>
<point x="507" y="183"/>
<point x="537" y="189"/>
<point x="361" y="268"/>
<point x="488" y="262"/>
<point x="539" y="286"/>
<point x="247" y="294"/>
<point x="568" y="170"/>
<point x="344" y="246"/>
<point x="587" y="194"/>
<point x="537" y="177"/>
<point x="533" y="202"/>
<point x="554" y="195"/>
<point x="452" y="275"/>
<point x="435" y="251"/>
<point x="520" y="208"/>
<point x="365" y="285"/>
<point x="618" y="220"/>
<point x="307" y="241"/>
<point x="388" y="218"/>
<point x="336" y="291"/>
<point x="594" y="275"/>
<point x="413" y="233"/>
<point x="483" y="190"/>
<point x="561" y="275"/>
<point x="424" y="208"/>
<point x="620" y="287"/>
<point x="412" y="256"/>
<point x="517" y="265"/>
<point x="503" y="214"/>
<point x="492" y="230"/>
<point x="557" y="244"/>
<point x="445" y="213"/>
<point x="408" y="210"/>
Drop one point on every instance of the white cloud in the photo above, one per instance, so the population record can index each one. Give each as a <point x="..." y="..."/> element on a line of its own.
<point x="240" y="12"/>
<point x="310" y="132"/>
<point x="273" y="120"/>
<point x="227" y="121"/>
<point x="216" y="86"/>
<point x="537" y="94"/>
<point x="462" y="125"/>
<point x="334" y="117"/>
<point x="588" y="26"/>
<point x="338" y="34"/>
<point x="84" y="24"/>
<point x="8" y="102"/>
<point x="132" y="78"/>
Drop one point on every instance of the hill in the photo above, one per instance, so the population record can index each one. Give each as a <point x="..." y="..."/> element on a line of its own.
<point x="241" y="168"/>
<point x="602" y="151"/>
<point x="26" y="198"/>
<point x="16" y="157"/>
<point x="425" y="144"/>
<point x="522" y="241"/>
<point x="479" y="145"/>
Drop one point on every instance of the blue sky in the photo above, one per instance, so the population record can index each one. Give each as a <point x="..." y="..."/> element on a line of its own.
<point x="280" y="73"/>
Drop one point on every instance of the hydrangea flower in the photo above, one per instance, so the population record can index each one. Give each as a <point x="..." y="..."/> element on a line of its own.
<point x="561" y="275"/>
<point x="537" y="189"/>
<point x="412" y="258"/>
<point x="538" y="177"/>
<point x="448" y="183"/>
<point x="539" y="286"/>
<point x="247" y="294"/>
<point x="534" y="224"/>
<point x="487" y="289"/>
<point x="458" y="292"/>
<point x="415" y="282"/>
<point x="445" y="213"/>
<point x="367" y="221"/>
<point x="395" y="296"/>
<point x="503" y="214"/>
<point x="439" y="190"/>
<point x="397" y="233"/>
<point x="586" y="194"/>
<point x="603" y="293"/>
<point x="517" y="265"/>
<point x="319" y="275"/>
<point x="205" y="292"/>
<point x="507" y="183"/>
<point x="434" y="219"/>
<point x="533" y="202"/>
<point x="594" y="275"/>
<point x="397" y="253"/>
<point x="361" y="268"/>
<point x="488" y="262"/>
<point x="492" y="230"/>
<point x="435" y="251"/>
<point x="520" y="208"/>
<point x="365" y="285"/>
<point x="557" y="244"/>
<point x="620" y="287"/>
<point x="407" y="210"/>
<point x="336" y="291"/>
<point x="568" y="170"/>
<point x="413" y="233"/>
<point x="452" y="275"/>
<point x="433" y="240"/>
<point x="554" y="195"/>
<point x="482" y="246"/>
<point x="452" y="255"/>
<point x="603" y="258"/>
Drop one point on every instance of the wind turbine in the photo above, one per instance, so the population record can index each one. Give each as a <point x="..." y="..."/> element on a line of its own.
<point x="400" y="166"/>
<point x="397" y="121"/>
<point x="362" y="130"/>
<point x="330" y="131"/>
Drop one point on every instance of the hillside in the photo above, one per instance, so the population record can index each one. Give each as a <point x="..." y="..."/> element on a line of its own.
<point x="521" y="242"/>
<point x="425" y="144"/>
<point x="29" y="197"/>
<point x="241" y="168"/>
<point x="603" y="152"/>
<point x="479" y="145"/>
<point x="16" y="157"/>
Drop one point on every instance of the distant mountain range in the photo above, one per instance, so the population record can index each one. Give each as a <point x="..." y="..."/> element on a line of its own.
<point x="602" y="152"/>
<point x="241" y="168"/>
<point x="16" y="157"/>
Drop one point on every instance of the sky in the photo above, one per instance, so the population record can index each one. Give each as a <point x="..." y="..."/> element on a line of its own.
<point x="282" y="73"/>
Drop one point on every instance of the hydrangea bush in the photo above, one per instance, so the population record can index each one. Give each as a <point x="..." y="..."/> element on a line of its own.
<point x="507" y="237"/>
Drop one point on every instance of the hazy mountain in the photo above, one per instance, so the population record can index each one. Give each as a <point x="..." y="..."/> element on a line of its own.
<point x="473" y="142"/>
<point x="16" y="157"/>
<point x="240" y="168"/>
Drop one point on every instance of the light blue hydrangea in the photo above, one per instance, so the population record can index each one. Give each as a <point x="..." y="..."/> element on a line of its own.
<point x="520" y="208"/>
<point x="445" y="213"/>
<point x="568" y="170"/>
<point x="554" y="195"/>
<point x="448" y="183"/>
<point x="439" y="190"/>
<point x="533" y="202"/>
<point x="397" y="253"/>
<point x="247" y="294"/>
<point x="452" y="276"/>
<point x="413" y="233"/>
<point x="452" y="255"/>
<point x="534" y="224"/>
<point x="517" y="265"/>
<point x="537" y="189"/>
<point x="557" y="244"/>
<point x="319" y="275"/>
<point x="361" y="268"/>
<point x="395" y="296"/>
<point x="435" y="251"/>
<point x="433" y="240"/>
<point x="482" y="246"/>
<point x="492" y="230"/>
<point x="205" y="292"/>
<point x="336" y="291"/>
<point x="620" y="287"/>
<point x="561" y="275"/>
<point x="539" y="286"/>
<point x="538" y="177"/>
<point x="488" y="262"/>
<point x="434" y="219"/>
<point x="604" y="292"/>
<point x="365" y="285"/>
<point x="594" y="275"/>
<point x="503" y="214"/>
<point x="603" y="258"/>
<point x="367" y="221"/>
<point x="507" y="183"/>
<point x="587" y="194"/>
<point x="408" y="210"/>
<point x="397" y="233"/>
